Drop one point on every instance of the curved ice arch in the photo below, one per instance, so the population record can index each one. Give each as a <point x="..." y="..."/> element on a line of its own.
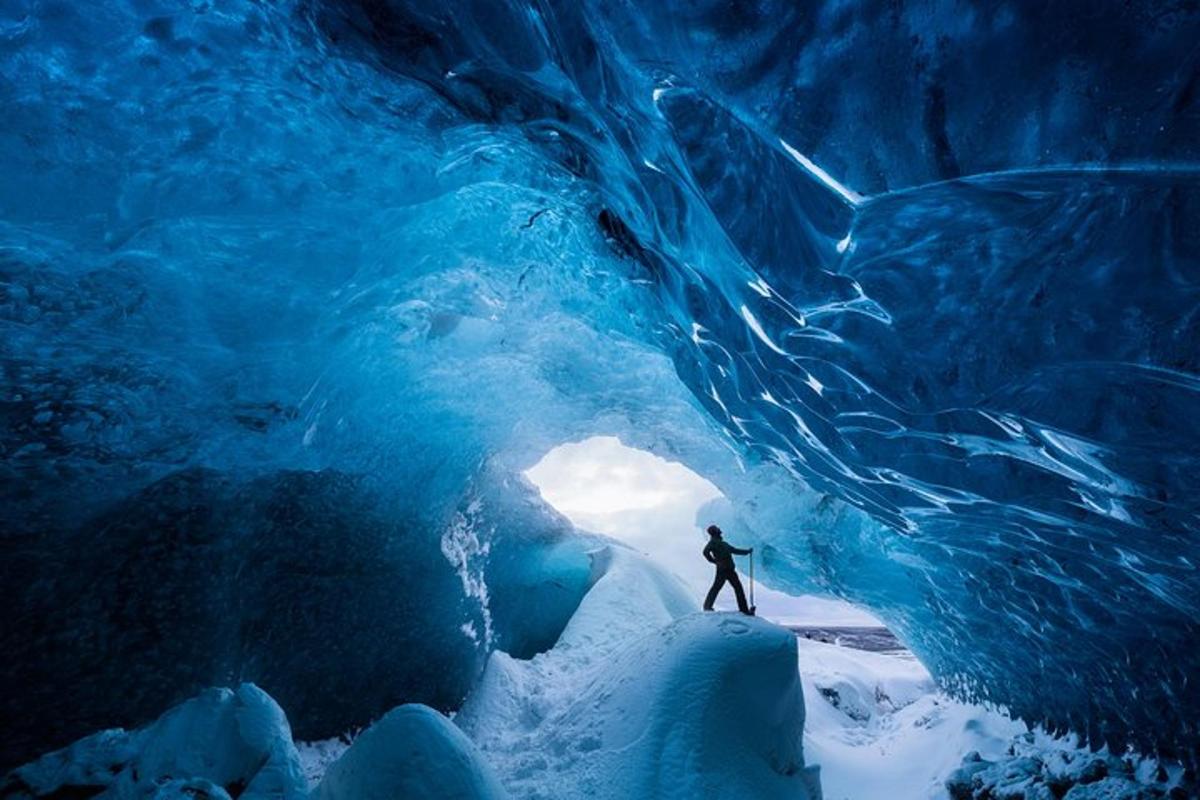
<point x="237" y="244"/>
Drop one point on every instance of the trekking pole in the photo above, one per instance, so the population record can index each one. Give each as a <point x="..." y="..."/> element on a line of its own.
<point x="753" y="608"/>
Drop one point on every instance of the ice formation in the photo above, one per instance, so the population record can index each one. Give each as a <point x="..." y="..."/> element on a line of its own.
<point x="291" y="293"/>
<point x="1038" y="773"/>
<point x="879" y="727"/>
<point x="313" y="585"/>
<point x="642" y="696"/>
<point x="222" y="743"/>
<point x="415" y="753"/>
<point x="645" y="696"/>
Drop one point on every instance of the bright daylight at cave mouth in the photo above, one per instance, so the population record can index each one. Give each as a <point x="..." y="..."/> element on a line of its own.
<point x="656" y="507"/>
<point x="874" y="714"/>
<point x="387" y="385"/>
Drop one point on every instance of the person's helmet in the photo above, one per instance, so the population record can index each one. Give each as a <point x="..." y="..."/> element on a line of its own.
<point x="713" y="530"/>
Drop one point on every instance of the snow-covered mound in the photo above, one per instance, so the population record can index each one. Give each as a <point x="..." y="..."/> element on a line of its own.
<point x="644" y="696"/>
<point x="228" y="744"/>
<point x="413" y="753"/>
<point x="219" y="745"/>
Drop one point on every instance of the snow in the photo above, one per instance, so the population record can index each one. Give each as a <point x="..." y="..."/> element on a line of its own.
<point x="1038" y="767"/>
<point x="221" y="743"/>
<point x="645" y="696"/>
<point x="879" y="727"/>
<point x="413" y="753"/>
<point x="316" y="757"/>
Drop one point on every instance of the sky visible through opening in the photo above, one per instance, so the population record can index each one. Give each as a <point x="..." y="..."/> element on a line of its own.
<point x="651" y="504"/>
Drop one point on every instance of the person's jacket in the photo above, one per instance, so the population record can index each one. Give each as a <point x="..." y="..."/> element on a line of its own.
<point x="721" y="553"/>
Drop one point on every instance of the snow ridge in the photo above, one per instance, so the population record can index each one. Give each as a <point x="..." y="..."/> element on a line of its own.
<point x="644" y="696"/>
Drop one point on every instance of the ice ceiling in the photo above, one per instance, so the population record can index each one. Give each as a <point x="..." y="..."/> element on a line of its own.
<point x="292" y="292"/>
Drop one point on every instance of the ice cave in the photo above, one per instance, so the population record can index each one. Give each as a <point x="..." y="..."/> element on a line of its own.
<point x="311" y="311"/>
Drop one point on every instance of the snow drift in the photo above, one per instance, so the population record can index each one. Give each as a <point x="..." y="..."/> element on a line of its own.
<point x="413" y="752"/>
<point x="644" y="696"/>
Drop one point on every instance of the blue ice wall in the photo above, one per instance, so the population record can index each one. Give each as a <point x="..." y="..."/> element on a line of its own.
<point x="306" y="282"/>
<point x="322" y="585"/>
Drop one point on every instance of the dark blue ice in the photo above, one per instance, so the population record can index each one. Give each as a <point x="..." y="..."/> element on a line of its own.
<point x="291" y="292"/>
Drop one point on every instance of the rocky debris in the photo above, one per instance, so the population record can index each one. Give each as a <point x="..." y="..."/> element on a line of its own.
<point x="1033" y="773"/>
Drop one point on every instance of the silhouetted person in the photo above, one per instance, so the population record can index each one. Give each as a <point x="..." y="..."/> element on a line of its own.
<point x="721" y="553"/>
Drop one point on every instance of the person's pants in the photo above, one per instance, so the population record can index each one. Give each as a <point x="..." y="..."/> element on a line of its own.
<point x="731" y="576"/>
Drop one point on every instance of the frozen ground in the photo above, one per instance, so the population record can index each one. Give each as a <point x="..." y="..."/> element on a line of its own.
<point x="643" y="696"/>
<point x="611" y="711"/>
<point x="316" y="757"/>
<point x="876" y="726"/>
<point x="879" y="728"/>
<point x="646" y="697"/>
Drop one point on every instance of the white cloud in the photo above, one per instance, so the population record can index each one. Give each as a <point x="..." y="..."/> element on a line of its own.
<point x="603" y="476"/>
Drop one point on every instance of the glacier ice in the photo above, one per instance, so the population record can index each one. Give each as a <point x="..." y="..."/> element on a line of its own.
<point x="412" y="752"/>
<point x="290" y="294"/>
<point x="643" y="695"/>
<point x="219" y="744"/>
<point x="1040" y="774"/>
<point x="312" y="584"/>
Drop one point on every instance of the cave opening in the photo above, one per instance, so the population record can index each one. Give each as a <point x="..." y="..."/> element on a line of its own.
<point x="875" y="720"/>
<point x="660" y="508"/>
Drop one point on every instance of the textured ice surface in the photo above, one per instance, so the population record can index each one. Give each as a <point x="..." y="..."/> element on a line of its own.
<point x="222" y="743"/>
<point x="413" y="752"/>
<point x="645" y="696"/>
<point x="1034" y="771"/>
<point x="315" y="757"/>
<point x="298" y="281"/>
<point x="329" y="594"/>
